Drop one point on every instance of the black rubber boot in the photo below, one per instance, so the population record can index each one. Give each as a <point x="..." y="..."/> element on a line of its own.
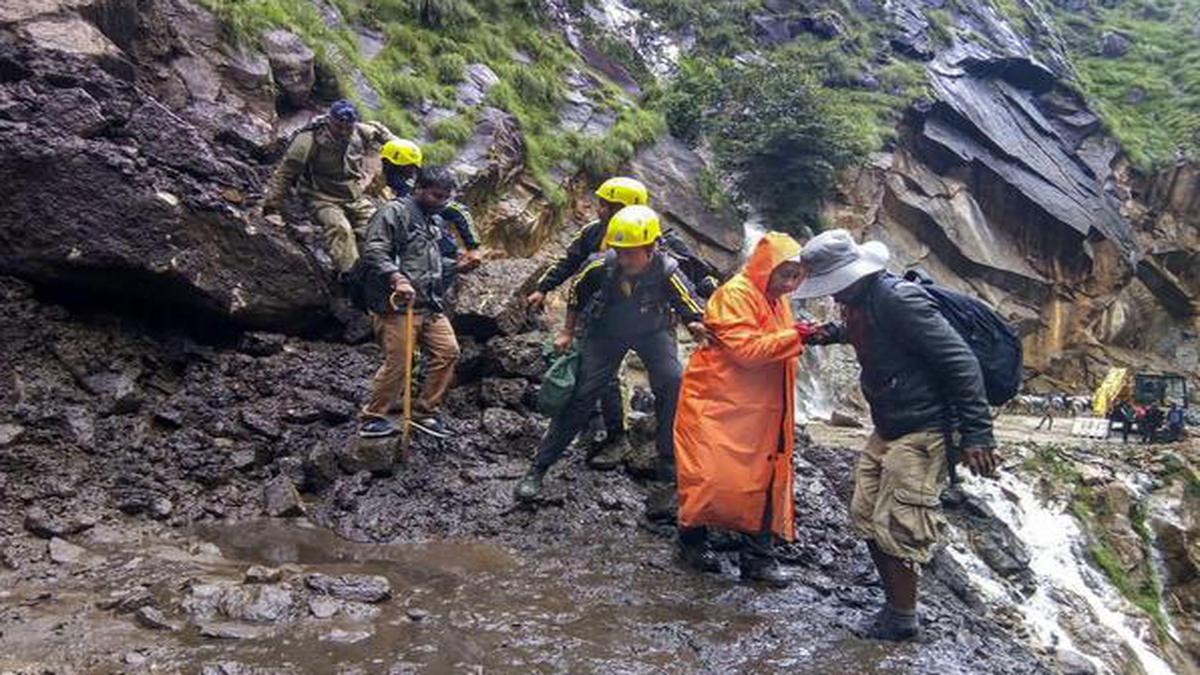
<point x="696" y="552"/>
<point x="530" y="486"/>
<point x="894" y="625"/>
<point x="763" y="568"/>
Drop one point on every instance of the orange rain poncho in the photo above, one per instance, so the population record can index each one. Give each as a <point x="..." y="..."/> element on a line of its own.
<point x="733" y="426"/>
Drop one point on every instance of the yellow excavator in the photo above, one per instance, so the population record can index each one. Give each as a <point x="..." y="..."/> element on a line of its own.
<point x="1140" y="388"/>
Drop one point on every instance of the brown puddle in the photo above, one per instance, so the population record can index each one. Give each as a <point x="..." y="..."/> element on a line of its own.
<point x="490" y="609"/>
<point x="466" y="606"/>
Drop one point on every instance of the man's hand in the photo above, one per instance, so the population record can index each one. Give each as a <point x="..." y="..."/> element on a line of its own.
<point x="402" y="291"/>
<point x="981" y="461"/>
<point x="805" y="329"/>
<point x="820" y="335"/>
<point x="701" y="333"/>
<point x="536" y="300"/>
<point x="469" y="261"/>
<point x="563" y="342"/>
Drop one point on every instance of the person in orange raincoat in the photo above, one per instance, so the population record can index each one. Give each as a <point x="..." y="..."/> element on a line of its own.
<point x="733" y="426"/>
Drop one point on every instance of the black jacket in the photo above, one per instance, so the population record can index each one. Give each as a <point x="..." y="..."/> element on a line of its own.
<point x="918" y="374"/>
<point x="402" y="238"/>
<point x="613" y="305"/>
<point x="589" y="242"/>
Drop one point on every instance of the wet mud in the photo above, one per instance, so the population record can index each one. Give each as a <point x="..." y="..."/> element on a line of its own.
<point x="134" y="537"/>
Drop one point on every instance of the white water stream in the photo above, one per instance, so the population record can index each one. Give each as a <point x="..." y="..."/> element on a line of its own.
<point x="1057" y="560"/>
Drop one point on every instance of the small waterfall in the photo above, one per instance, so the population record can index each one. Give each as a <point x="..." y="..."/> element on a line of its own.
<point x="814" y="398"/>
<point x="1058" y="561"/>
<point x="753" y="230"/>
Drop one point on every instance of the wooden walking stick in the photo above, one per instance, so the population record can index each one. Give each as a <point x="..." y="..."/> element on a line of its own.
<point x="408" y="363"/>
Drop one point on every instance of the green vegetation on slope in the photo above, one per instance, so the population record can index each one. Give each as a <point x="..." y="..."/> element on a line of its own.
<point x="428" y="46"/>
<point x="1149" y="98"/>
<point x="789" y="122"/>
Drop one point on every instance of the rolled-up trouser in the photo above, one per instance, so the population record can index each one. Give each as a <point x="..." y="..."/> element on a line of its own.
<point x="343" y="223"/>
<point x="897" y="485"/>
<point x="600" y="359"/>
<point x="439" y="349"/>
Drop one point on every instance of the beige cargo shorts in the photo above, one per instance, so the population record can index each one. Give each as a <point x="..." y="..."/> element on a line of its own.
<point x="896" y="488"/>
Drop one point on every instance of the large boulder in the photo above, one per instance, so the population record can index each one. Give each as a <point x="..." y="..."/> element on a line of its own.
<point x="141" y="218"/>
<point x="291" y="65"/>
<point x="492" y="158"/>
<point x="475" y="86"/>
<point x="491" y="300"/>
<point x="672" y="172"/>
<point x="1114" y="45"/>
<point x="986" y="103"/>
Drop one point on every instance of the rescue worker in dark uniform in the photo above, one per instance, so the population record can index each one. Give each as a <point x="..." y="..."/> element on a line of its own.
<point x="625" y="299"/>
<point x="613" y="195"/>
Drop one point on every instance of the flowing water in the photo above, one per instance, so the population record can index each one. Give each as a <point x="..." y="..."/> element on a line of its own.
<point x="1062" y="573"/>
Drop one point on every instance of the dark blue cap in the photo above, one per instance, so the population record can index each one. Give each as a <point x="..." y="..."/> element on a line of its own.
<point x="343" y="110"/>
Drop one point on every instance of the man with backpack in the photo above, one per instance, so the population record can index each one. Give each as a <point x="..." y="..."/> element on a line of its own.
<point x="402" y="159"/>
<point x="625" y="300"/>
<point x="403" y="266"/>
<point x="613" y="195"/>
<point x="925" y="387"/>
<point x="325" y="163"/>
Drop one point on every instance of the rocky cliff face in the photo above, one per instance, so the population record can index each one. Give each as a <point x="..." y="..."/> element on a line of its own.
<point x="1004" y="183"/>
<point x="137" y="138"/>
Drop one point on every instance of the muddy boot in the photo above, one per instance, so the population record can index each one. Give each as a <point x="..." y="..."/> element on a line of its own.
<point x="530" y="486"/>
<point x="766" y="571"/>
<point x="696" y="552"/>
<point x="614" y="451"/>
<point x="894" y="625"/>
<point x="757" y="562"/>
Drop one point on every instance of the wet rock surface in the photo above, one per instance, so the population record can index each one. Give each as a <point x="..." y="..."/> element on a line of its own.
<point x="447" y="568"/>
<point x="170" y="168"/>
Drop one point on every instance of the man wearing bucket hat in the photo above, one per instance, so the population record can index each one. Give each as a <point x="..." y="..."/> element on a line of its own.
<point x="924" y="386"/>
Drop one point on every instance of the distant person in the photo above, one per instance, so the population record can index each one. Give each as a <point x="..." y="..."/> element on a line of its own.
<point x="1176" y="419"/>
<point x="1151" y="423"/>
<point x="325" y="163"/>
<point x="1124" y="413"/>
<point x="1047" y="419"/>
<point x="918" y="376"/>
<point x="734" y="425"/>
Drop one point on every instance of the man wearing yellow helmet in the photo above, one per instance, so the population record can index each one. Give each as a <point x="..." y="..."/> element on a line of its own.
<point x="625" y="298"/>
<point x="325" y="163"/>
<point x="402" y="160"/>
<point x="612" y="195"/>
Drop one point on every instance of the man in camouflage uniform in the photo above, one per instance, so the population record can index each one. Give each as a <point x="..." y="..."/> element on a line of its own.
<point x="325" y="163"/>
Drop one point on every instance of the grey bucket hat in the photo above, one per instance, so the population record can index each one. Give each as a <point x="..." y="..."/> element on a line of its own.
<point x="833" y="262"/>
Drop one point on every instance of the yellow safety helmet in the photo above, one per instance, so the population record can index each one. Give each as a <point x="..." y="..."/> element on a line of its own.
<point x="623" y="190"/>
<point x="633" y="227"/>
<point x="401" y="152"/>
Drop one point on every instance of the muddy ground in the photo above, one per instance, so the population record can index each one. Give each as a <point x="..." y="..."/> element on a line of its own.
<point x="133" y="464"/>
